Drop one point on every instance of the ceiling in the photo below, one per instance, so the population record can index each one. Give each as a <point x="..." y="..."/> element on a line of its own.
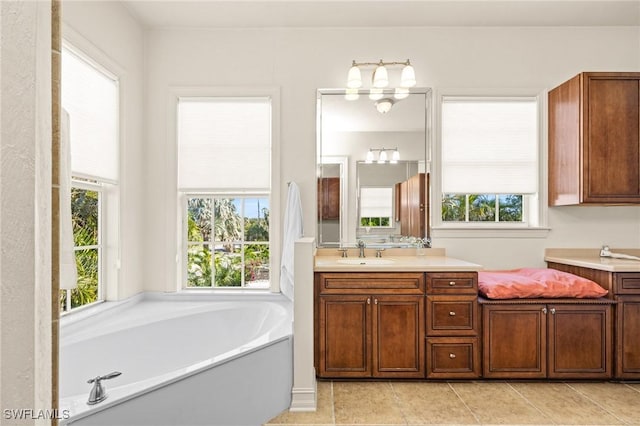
<point x="382" y="13"/>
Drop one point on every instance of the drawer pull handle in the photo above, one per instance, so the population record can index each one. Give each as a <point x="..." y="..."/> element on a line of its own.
<point x="453" y="314"/>
<point x="452" y="356"/>
<point x="452" y="283"/>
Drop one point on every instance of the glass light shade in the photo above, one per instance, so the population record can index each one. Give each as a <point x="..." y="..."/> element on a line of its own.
<point x="369" y="159"/>
<point x="384" y="105"/>
<point x="354" y="78"/>
<point x="395" y="156"/>
<point x="380" y="77"/>
<point x="401" y="93"/>
<point x="408" y="77"/>
<point x="375" y="94"/>
<point x="351" y="95"/>
<point x="383" y="157"/>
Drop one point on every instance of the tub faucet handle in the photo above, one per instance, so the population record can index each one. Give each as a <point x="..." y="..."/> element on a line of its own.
<point x="98" y="393"/>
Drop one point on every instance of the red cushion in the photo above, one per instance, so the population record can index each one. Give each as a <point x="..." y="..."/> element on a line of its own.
<point x="536" y="282"/>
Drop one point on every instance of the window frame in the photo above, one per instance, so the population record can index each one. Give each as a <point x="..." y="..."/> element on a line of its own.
<point x="274" y="194"/>
<point x="109" y="190"/>
<point x="534" y="205"/>
<point x="185" y="196"/>
<point x="98" y="187"/>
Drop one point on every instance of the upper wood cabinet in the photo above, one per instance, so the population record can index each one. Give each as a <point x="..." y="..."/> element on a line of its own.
<point x="594" y="140"/>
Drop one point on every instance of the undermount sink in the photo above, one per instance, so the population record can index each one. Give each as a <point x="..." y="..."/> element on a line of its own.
<point x="367" y="261"/>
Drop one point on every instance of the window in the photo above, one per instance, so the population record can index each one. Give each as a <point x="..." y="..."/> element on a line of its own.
<point x="489" y="160"/>
<point x="90" y="98"/>
<point x="376" y="207"/>
<point x="224" y="179"/>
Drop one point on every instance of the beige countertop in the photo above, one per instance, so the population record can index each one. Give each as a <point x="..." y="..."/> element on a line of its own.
<point x="590" y="258"/>
<point x="392" y="260"/>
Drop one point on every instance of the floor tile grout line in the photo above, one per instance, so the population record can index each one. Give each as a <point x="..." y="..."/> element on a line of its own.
<point x="398" y="403"/>
<point x="531" y="404"/>
<point x="633" y="388"/>
<point x="333" y="405"/>
<point x="464" y="403"/>
<point x="595" y="402"/>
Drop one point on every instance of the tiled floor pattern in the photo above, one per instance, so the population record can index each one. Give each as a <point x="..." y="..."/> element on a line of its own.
<point x="465" y="403"/>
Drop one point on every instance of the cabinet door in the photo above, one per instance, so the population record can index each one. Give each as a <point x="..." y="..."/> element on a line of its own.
<point x="579" y="341"/>
<point x="628" y="338"/>
<point x="398" y="336"/>
<point x="611" y="149"/>
<point x="514" y="341"/>
<point x="344" y="336"/>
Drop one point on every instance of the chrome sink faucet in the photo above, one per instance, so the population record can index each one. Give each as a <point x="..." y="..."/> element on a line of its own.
<point x="361" y="246"/>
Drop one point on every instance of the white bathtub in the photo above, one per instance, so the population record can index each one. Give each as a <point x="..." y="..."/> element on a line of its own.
<point x="185" y="360"/>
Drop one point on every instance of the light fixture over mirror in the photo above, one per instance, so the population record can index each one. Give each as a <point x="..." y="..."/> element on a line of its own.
<point x="380" y="76"/>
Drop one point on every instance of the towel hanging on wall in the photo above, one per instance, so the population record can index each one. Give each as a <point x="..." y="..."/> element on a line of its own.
<point x="293" y="230"/>
<point x="68" y="271"/>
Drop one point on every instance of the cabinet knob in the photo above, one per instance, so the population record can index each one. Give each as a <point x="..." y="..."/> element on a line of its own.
<point x="452" y="283"/>
<point x="368" y="300"/>
<point x="375" y="301"/>
<point x="544" y="310"/>
<point x="553" y="311"/>
<point x="453" y="314"/>
<point x="452" y="356"/>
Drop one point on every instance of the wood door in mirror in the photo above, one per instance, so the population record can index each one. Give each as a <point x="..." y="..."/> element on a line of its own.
<point x="411" y="205"/>
<point x="329" y="198"/>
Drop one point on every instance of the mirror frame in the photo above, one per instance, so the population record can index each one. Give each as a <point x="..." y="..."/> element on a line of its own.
<point x="344" y="185"/>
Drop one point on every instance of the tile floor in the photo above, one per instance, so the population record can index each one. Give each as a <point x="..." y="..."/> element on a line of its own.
<point x="464" y="403"/>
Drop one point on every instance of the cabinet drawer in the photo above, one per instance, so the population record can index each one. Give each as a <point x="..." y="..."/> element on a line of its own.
<point x="370" y="283"/>
<point x="452" y="315"/>
<point x="452" y="282"/>
<point x="627" y="283"/>
<point x="452" y="358"/>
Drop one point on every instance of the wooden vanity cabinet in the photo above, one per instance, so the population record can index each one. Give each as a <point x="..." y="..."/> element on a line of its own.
<point x="452" y="324"/>
<point x="594" y="139"/>
<point x="624" y="289"/>
<point x="566" y="339"/>
<point x="369" y="325"/>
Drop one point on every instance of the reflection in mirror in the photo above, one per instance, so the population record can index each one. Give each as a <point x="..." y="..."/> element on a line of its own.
<point x="373" y="168"/>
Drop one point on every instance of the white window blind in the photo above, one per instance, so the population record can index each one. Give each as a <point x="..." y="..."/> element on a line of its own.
<point x="489" y="146"/>
<point x="375" y="202"/>
<point x="224" y="143"/>
<point x="91" y="99"/>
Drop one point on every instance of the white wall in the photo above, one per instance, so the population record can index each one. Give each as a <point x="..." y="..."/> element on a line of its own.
<point x="112" y="37"/>
<point x="25" y="210"/>
<point x="300" y="61"/>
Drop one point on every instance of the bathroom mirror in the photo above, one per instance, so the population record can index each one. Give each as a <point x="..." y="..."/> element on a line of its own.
<point x="368" y="162"/>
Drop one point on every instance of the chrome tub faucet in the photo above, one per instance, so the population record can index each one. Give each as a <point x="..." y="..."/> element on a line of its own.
<point x="98" y="392"/>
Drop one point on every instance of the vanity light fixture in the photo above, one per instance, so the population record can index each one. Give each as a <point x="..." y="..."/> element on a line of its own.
<point x="384" y="105"/>
<point x="383" y="157"/>
<point x="380" y="76"/>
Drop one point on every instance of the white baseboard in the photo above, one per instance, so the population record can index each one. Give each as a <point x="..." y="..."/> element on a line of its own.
<point x="304" y="399"/>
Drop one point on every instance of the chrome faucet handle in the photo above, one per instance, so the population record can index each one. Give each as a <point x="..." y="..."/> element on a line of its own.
<point x="344" y="252"/>
<point x="98" y="393"/>
<point x="379" y="251"/>
<point x="361" y="244"/>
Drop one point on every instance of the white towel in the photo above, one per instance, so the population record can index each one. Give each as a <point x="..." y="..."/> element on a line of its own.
<point x="68" y="272"/>
<point x="292" y="231"/>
